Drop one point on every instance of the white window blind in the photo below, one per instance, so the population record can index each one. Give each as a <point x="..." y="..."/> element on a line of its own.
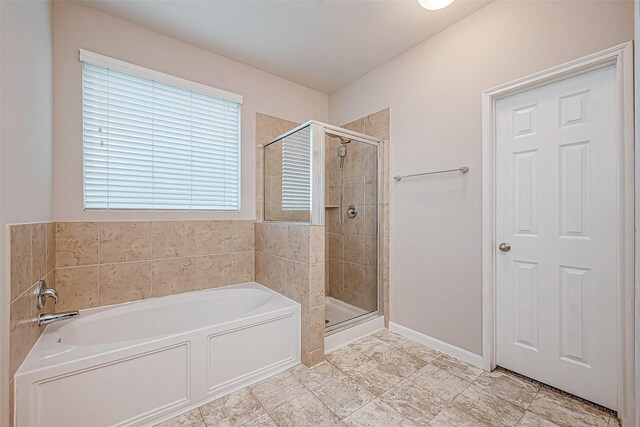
<point x="153" y="145"/>
<point x="296" y="171"/>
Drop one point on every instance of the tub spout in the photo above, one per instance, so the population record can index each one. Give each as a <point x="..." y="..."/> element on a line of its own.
<point x="46" y="318"/>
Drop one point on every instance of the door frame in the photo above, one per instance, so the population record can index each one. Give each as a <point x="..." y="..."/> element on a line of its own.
<point x="621" y="57"/>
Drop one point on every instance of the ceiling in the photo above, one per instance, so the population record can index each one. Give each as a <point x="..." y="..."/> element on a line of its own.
<point x="320" y="44"/>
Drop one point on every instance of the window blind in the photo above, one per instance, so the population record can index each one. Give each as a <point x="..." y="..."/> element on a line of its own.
<point x="152" y="145"/>
<point x="296" y="171"/>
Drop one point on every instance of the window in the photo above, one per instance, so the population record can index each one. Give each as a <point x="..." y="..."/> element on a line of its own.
<point x="296" y="171"/>
<point x="153" y="141"/>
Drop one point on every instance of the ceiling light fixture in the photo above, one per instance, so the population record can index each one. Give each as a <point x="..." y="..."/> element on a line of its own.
<point x="434" y="4"/>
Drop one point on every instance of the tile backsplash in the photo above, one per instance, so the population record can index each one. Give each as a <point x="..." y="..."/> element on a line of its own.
<point x="103" y="263"/>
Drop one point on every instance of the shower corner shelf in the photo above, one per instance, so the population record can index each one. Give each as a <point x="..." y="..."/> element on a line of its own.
<point x="331" y="206"/>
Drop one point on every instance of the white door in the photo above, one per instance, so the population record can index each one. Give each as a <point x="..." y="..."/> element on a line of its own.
<point x="557" y="207"/>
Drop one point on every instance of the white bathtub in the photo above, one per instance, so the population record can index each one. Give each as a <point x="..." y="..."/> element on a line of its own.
<point x="143" y="362"/>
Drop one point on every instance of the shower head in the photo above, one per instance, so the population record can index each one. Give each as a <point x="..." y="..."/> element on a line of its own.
<point x="343" y="139"/>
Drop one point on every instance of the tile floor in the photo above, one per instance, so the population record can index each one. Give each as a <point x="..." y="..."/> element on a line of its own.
<point x="387" y="380"/>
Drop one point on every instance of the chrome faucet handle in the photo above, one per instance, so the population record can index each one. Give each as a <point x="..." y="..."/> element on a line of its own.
<point x="42" y="293"/>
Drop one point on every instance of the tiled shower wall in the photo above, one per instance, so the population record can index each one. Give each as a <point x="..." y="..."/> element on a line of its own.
<point x="32" y="257"/>
<point x="378" y="125"/>
<point x="352" y="250"/>
<point x="290" y="260"/>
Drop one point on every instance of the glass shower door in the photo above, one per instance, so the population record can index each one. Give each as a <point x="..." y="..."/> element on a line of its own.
<point x="351" y="218"/>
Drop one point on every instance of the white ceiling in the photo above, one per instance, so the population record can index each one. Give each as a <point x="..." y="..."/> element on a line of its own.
<point x="320" y="44"/>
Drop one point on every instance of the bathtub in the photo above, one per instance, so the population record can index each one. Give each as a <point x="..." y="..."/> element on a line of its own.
<point x="143" y="362"/>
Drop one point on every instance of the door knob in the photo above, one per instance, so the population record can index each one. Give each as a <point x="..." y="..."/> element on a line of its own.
<point x="504" y="247"/>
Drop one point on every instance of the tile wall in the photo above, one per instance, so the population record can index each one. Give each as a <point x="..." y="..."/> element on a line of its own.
<point x="32" y="257"/>
<point x="290" y="260"/>
<point x="103" y="263"/>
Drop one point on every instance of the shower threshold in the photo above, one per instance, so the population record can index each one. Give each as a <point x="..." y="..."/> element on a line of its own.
<point x="337" y="312"/>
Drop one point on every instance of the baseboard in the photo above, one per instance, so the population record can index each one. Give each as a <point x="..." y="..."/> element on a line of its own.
<point x="441" y="346"/>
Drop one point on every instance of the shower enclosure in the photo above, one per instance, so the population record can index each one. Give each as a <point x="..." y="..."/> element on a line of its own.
<point x="326" y="175"/>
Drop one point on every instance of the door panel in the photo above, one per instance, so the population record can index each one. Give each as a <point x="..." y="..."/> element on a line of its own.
<point x="557" y="207"/>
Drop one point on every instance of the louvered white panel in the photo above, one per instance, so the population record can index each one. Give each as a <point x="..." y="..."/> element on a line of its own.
<point x="296" y="171"/>
<point x="152" y="145"/>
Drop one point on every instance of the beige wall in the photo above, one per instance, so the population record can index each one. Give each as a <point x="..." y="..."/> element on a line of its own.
<point x="434" y="92"/>
<point x="25" y="143"/>
<point x="76" y="27"/>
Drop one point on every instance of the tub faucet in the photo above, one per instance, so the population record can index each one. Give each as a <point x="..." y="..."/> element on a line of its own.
<point x="42" y="293"/>
<point x="46" y="318"/>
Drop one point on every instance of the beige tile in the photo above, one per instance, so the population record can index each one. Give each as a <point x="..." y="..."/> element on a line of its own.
<point x="377" y="413"/>
<point x="172" y="239"/>
<point x="614" y="422"/>
<point x="399" y="362"/>
<point x="263" y="421"/>
<point x="315" y="376"/>
<point x="371" y="345"/>
<point x="354" y="277"/>
<point x="173" y="276"/>
<point x="124" y="282"/>
<point x="354" y="225"/>
<point x="439" y="382"/>
<point x="192" y="418"/>
<point x="354" y="192"/>
<point x="244" y="236"/>
<point x="304" y="410"/>
<point x="38" y="251"/>
<point x="452" y="416"/>
<point x="457" y="367"/>
<point x="312" y="358"/>
<point x="22" y="331"/>
<point x="413" y="402"/>
<point x="77" y="287"/>
<point x="370" y="219"/>
<point x="316" y="244"/>
<point x="312" y="329"/>
<point x="343" y="396"/>
<point x="125" y="241"/>
<point x="243" y="267"/>
<point x="378" y="124"/>
<point x="213" y="271"/>
<point x="565" y="411"/>
<point x="234" y="409"/>
<point x="316" y="285"/>
<point x="268" y="128"/>
<point x="76" y="243"/>
<point x="214" y="237"/>
<point x="297" y="281"/>
<point x="356" y="126"/>
<point x="336" y="272"/>
<point x="335" y="246"/>
<point x="391" y="337"/>
<point x="488" y="408"/>
<point x="347" y="358"/>
<point x="277" y="390"/>
<point x="297" y="247"/>
<point x="375" y="379"/>
<point x="532" y="420"/>
<point x="508" y="387"/>
<point x="20" y="258"/>
<point x="354" y="249"/>
<point x="51" y="246"/>
<point x="11" y="404"/>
